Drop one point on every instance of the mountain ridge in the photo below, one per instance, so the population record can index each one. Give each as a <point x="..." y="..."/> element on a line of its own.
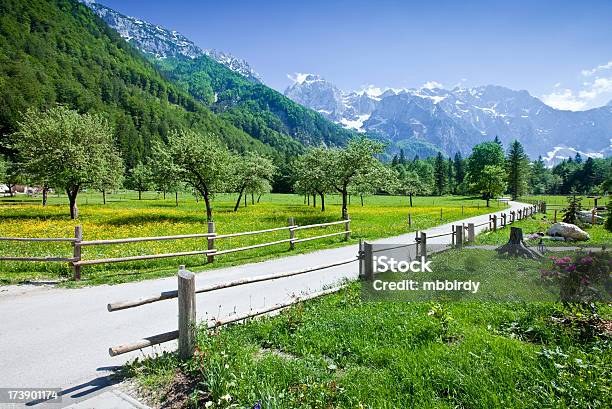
<point x="234" y="95"/>
<point x="456" y="119"/>
<point x="164" y="43"/>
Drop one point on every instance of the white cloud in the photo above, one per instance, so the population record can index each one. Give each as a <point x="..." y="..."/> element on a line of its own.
<point x="596" y="88"/>
<point x="564" y="99"/>
<point x="589" y="72"/>
<point x="592" y="92"/>
<point x="432" y="85"/>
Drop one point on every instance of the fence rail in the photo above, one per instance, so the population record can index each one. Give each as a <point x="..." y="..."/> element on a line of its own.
<point x="186" y="291"/>
<point x="187" y="321"/>
<point x="78" y="243"/>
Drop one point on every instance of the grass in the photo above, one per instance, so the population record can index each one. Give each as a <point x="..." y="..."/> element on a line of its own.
<point x="125" y="216"/>
<point x="340" y="351"/>
<point x="599" y="236"/>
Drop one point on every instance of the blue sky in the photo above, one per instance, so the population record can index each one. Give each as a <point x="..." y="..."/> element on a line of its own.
<point x="559" y="51"/>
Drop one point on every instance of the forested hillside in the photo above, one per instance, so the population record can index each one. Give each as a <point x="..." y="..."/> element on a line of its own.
<point x="59" y="51"/>
<point x="257" y="109"/>
<point x="228" y="85"/>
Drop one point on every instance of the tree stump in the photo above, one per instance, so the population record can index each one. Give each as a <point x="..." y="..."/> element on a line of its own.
<point x="516" y="246"/>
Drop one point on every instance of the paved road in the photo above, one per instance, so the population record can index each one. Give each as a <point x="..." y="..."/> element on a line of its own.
<point x="53" y="337"/>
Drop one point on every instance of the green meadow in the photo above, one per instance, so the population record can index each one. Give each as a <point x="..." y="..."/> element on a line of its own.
<point x="124" y="216"/>
<point x="340" y="351"/>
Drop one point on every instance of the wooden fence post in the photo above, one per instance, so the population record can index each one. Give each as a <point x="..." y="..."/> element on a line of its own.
<point x="347" y="228"/>
<point x="440" y="214"/>
<point x="186" y="313"/>
<point x="555" y="219"/>
<point x="367" y="261"/>
<point x="593" y="214"/>
<point x="494" y="222"/>
<point x="503" y="216"/>
<point x="76" y="251"/>
<point x="409" y="220"/>
<point x="361" y="255"/>
<point x="471" y="233"/>
<point x="461" y="210"/>
<point x="423" y="244"/>
<point x="543" y="208"/>
<point x="453" y="234"/>
<point x="459" y="236"/>
<point x="211" y="242"/>
<point x="291" y="222"/>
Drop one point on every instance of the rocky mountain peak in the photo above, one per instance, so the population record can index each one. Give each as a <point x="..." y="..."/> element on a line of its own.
<point x="455" y="120"/>
<point x="163" y="43"/>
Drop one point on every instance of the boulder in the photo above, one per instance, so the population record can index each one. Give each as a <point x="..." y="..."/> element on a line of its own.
<point x="586" y="216"/>
<point x="568" y="231"/>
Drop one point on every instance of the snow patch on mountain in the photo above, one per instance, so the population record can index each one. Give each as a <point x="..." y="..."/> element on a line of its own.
<point x="457" y="119"/>
<point x="163" y="43"/>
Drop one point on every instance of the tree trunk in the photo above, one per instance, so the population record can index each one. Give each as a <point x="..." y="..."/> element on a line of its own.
<point x="44" y="198"/>
<point x="258" y="198"/>
<point x="349" y="199"/>
<point x="164" y="195"/>
<point x="361" y="197"/>
<point x="245" y="200"/>
<point x="516" y="246"/>
<point x="252" y="198"/>
<point x="322" y="202"/>
<point x="72" y="196"/>
<point x="209" y="216"/>
<point x="344" y="204"/>
<point x="103" y="196"/>
<point x="314" y="200"/>
<point x="487" y="202"/>
<point x="308" y="199"/>
<point x="410" y="199"/>
<point x="176" y="198"/>
<point x="140" y="195"/>
<point x="238" y="201"/>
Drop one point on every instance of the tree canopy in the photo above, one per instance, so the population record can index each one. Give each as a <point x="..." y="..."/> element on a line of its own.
<point x="64" y="149"/>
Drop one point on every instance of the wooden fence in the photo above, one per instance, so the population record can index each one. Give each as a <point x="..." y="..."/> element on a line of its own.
<point x="211" y="236"/>
<point x="186" y="290"/>
<point x="187" y="321"/>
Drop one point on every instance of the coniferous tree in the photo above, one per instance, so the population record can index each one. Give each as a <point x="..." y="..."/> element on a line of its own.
<point x="517" y="166"/>
<point x="402" y="157"/>
<point x="394" y="161"/>
<point x="450" y="174"/>
<point x="459" y="168"/>
<point x="440" y="174"/>
<point x="587" y="175"/>
<point x="573" y="208"/>
<point x="578" y="158"/>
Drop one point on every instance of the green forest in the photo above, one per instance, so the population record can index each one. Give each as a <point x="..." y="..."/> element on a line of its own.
<point x="59" y="52"/>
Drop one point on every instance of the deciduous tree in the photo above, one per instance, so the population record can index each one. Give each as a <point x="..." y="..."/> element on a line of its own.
<point x="202" y="161"/>
<point x="253" y="174"/>
<point x="492" y="182"/>
<point x="69" y="150"/>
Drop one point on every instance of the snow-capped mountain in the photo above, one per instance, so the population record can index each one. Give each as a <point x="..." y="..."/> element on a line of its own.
<point x="161" y="42"/>
<point x="454" y="120"/>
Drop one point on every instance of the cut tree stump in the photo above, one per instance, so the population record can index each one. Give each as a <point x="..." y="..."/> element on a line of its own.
<point x="516" y="246"/>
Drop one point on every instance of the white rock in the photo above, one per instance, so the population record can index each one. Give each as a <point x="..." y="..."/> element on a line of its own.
<point x="585" y="216"/>
<point x="568" y="231"/>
